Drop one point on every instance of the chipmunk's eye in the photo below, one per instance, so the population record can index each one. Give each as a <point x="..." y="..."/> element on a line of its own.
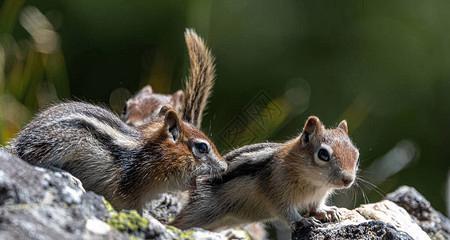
<point x="323" y="155"/>
<point x="202" y="147"/>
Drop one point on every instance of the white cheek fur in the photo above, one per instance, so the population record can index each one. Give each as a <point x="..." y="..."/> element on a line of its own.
<point x="328" y="148"/>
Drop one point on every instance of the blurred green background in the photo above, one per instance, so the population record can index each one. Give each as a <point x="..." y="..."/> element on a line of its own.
<point x="382" y="65"/>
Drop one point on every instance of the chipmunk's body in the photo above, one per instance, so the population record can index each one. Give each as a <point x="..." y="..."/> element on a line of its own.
<point x="189" y="103"/>
<point x="275" y="180"/>
<point x="127" y="165"/>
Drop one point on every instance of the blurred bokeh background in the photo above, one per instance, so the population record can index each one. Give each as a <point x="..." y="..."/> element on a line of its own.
<point x="382" y="65"/>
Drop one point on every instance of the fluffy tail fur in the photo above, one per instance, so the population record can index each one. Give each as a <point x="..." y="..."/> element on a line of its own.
<point x="200" y="81"/>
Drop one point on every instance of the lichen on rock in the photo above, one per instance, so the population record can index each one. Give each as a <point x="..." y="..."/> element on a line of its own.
<point x="128" y="221"/>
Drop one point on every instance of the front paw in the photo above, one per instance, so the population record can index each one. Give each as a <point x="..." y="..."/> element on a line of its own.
<point x="326" y="214"/>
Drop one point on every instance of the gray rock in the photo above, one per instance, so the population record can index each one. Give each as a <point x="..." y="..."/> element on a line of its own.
<point x="36" y="203"/>
<point x="435" y="224"/>
<point x="364" y="230"/>
<point x="390" y="213"/>
<point x="381" y="220"/>
<point x="405" y="214"/>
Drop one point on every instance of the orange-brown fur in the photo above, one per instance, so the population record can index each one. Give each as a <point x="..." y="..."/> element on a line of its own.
<point x="145" y="105"/>
<point x="176" y="160"/>
<point x="128" y="166"/>
<point x="337" y="138"/>
<point x="276" y="180"/>
<point x="191" y="102"/>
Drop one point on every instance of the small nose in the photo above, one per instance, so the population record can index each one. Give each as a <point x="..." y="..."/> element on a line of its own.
<point x="347" y="180"/>
<point x="223" y="166"/>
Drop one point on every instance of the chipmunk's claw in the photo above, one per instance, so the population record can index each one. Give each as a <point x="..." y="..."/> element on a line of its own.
<point x="327" y="214"/>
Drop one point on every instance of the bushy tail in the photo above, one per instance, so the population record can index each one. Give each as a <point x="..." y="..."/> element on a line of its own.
<point x="200" y="81"/>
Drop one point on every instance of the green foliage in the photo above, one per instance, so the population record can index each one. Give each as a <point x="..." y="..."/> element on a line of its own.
<point x="32" y="68"/>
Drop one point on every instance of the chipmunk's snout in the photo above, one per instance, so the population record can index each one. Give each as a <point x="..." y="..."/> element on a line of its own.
<point x="219" y="166"/>
<point x="209" y="160"/>
<point x="346" y="180"/>
<point x="223" y="166"/>
<point x="219" y="163"/>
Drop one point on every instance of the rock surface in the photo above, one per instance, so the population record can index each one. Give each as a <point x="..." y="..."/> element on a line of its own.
<point x="363" y="230"/>
<point x="37" y="203"/>
<point x="436" y="225"/>
<point x="382" y="220"/>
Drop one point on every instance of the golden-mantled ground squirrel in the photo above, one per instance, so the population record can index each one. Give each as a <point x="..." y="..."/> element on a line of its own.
<point x="276" y="180"/>
<point x="145" y="105"/>
<point x="191" y="102"/>
<point x="127" y="165"/>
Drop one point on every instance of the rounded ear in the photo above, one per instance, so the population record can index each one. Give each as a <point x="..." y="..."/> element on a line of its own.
<point x="312" y="126"/>
<point x="172" y="124"/>
<point x="178" y="97"/>
<point x="343" y="125"/>
<point x="146" y="90"/>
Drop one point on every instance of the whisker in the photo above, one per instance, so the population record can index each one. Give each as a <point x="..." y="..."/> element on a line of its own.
<point x="372" y="186"/>
<point x="375" y="187"/>
<point x="366" y="199"/>
<point x="354" y="197"/>
<point x="357" y="187"/>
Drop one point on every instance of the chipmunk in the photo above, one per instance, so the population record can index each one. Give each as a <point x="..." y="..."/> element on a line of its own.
<point x="127" y="165"/>
<point x="276" y="180"/>
<point x="144" y="107"/>
<point x="191" y="102"/>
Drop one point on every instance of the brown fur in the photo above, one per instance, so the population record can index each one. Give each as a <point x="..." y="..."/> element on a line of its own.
<point x="145" y="105"/>
<point x="176" y="165"/>
<point x="275" y="180"/>
<point x="190" y="103"/>
<point x="201" y="78"/>
<point x="127" y="165"/>
<point x="337" y="138"/>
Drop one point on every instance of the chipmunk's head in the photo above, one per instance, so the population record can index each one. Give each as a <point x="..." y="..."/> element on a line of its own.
<point x="185" y="144"/>
<point x="146" y="105"/>
<point x="332" y="159"/>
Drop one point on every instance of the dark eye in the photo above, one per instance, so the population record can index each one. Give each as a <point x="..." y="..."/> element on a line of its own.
<point x="202" y="147"/>
<point x="323" y="155"/>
